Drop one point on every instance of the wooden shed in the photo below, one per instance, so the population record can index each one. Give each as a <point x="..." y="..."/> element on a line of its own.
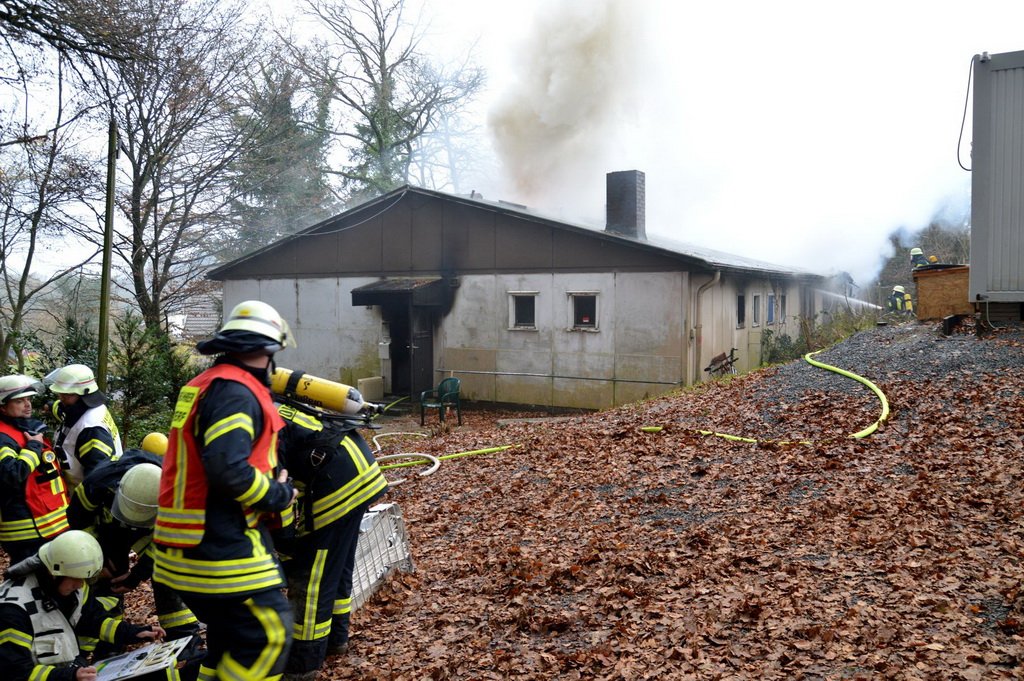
<point x="942" y="291"/>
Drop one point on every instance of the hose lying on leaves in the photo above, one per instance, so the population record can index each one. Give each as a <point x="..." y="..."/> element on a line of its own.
<point x="821" y="365"/>
<point x="422" y="458"/>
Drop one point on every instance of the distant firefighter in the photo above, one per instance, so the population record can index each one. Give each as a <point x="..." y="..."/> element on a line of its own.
<point x="900" y="301"/>
<point x="917" y="258"/>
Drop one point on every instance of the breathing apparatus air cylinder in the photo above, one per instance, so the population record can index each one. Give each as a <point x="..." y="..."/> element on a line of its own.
<point x="319" y="392"/>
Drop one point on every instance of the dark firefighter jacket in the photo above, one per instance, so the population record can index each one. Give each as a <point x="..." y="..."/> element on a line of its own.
<point x="900" y="302"/>
<point x="89" y="510"/>
<point x="333" y="475"/>
<point x="218" y="479"/>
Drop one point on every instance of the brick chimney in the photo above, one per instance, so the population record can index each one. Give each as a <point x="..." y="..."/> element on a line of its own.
<point x="625" y="207"/>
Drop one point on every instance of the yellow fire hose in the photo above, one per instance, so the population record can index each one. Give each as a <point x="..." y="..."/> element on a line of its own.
<point x="419" y="458"/>
<point x="821" y="365"/>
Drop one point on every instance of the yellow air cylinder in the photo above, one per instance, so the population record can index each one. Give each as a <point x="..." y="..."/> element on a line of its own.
<point x="317" y="391"/>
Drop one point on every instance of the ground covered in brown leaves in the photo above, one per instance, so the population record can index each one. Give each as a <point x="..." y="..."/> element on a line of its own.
<point x="597" y="550"/>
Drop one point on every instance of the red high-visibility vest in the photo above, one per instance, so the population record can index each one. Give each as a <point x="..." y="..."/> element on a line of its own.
<point x="181" y="517"/>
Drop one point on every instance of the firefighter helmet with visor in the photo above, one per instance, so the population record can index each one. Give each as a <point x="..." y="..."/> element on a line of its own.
<point x="18" y="385"/>
<point x="76" y="379"/>
<point x="252" y="327"/>
<point x="135" y="502"/>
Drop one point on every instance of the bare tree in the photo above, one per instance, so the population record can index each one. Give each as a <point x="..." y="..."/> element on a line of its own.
<point x="75" y="28"/>
<point x="82" y="33"/>
<point x="388" y="94"/>
<point x="46" y="189"/>
<point x="173" y="111"/>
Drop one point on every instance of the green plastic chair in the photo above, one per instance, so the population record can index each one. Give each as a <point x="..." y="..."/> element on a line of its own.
<point x="445" y="395"/>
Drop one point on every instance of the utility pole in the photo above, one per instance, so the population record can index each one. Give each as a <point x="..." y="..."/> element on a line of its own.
<point x="108" y="240"/>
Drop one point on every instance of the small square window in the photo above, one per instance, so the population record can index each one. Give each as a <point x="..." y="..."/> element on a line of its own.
<point x="770" y="312"/>
<point x="741" y="311"/>
<point x="522" y="310"/>
<point x="583" y="310"/>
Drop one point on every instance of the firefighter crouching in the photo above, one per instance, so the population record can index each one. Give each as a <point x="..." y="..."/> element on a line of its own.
<point x="220" y="476"/>
<point x="899" y="301"/>
<point x="337" y="478"/>
<point x="46" y="610"/>
<point x="116" y="503"/>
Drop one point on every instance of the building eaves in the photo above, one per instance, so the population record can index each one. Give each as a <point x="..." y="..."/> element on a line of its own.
<point x="698" y="256"/>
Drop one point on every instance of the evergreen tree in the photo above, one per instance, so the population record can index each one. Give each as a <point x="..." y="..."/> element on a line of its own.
<point x="278" y="182"/>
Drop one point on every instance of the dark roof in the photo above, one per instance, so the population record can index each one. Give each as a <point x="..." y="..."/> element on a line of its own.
<point x="422" y="290"/>
<point x="693" y="255"/>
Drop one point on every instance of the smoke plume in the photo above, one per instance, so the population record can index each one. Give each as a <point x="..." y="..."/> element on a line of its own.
<point x="555" y="124"/>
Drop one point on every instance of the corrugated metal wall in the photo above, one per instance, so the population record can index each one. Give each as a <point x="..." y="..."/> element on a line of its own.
<point x="997" y="192"/>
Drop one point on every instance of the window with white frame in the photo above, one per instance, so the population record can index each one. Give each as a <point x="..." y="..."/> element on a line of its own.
<point x="583" y="310"/>
<point x="522" y="310"/>
<point x="741" y="311"/>
<point x="769" y="317"/>
<point x="756" y="311"/>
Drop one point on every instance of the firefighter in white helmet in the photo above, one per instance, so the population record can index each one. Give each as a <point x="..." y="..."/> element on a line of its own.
<point x="220" y="479"/>
<point x="33" y="498"/>
<point x="900" y="301"/>
<point x="46" y="610"/>
<point x="86" y="435"/>
<point x="917" y="258"/>
<point x="116" y="503"/>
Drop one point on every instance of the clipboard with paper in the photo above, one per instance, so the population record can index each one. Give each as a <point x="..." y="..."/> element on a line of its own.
<point x="149" y="658"/>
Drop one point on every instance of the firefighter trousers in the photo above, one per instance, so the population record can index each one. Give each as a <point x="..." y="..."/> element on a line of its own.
<point x="320" y="590"/>
<point x="247" y="636"/>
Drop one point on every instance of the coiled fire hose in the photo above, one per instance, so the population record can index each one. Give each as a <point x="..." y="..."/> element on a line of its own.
<point x="883" y="416"/>
<point x="420" y="458"/>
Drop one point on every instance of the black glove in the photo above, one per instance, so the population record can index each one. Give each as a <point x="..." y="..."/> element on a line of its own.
<point x="33" y="427"/>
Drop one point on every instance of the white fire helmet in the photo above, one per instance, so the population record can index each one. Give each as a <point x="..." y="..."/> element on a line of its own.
<point x="899" y="289"/>
<point x="74" y="554"/>
<point x="135" y="502"/>
<point x="18" y="385"/>
<point x="916" y="251"/>
<point x="76" y="379"/>
<point x="258" y="317"/>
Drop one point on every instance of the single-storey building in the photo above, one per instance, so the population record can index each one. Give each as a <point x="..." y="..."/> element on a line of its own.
<point x="418" y="285"/>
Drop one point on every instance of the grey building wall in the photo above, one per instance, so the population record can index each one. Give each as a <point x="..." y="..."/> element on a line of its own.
<point x="997" y="194"/>
<point x="645" y="344"/>
<point x="638" y="348"/>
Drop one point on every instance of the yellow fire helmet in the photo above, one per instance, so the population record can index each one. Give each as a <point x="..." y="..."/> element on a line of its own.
<point x="155" y="443"/>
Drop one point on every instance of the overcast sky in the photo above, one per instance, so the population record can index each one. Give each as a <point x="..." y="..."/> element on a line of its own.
<point x="800" y="133"/>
